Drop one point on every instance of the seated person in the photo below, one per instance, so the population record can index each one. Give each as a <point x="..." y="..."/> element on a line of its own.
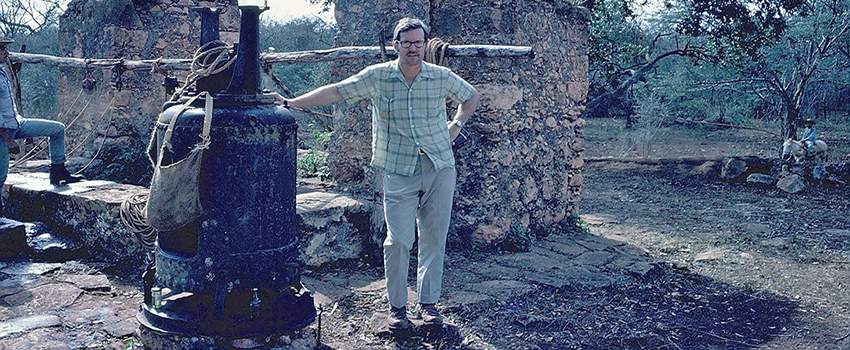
<point x="13" y="126"/>
<point x="810" y="135"/>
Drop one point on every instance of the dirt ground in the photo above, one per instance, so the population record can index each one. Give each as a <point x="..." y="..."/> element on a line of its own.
<point x="741" y="267"/>
<point x="663" y="259"/>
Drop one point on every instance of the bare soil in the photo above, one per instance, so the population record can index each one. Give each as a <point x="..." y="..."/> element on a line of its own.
<point x="741" y="267"/>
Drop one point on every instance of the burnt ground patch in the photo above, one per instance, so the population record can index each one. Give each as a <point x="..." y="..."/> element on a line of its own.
<point x="676" y="310"/>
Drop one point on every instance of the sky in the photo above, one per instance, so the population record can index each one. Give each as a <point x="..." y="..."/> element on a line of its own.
<point x="287" y="9"/>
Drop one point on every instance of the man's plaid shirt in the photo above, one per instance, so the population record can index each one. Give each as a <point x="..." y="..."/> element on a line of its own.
<point x="406" y="119"/>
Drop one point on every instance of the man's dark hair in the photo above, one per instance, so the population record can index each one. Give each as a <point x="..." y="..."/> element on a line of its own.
<point x="409" y="23"/>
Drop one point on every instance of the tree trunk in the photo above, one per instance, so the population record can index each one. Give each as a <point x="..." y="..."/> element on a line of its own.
<point x="789" y="122"/>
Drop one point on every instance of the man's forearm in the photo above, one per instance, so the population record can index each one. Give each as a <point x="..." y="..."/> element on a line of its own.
<point x="467" y="108"/>
<point x="324" y="95"/>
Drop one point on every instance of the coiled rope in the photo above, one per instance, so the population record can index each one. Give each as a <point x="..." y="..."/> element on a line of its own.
<point x="436" y="51"/>
<point x="211" y="58"/>
<point x="135" y="219"/>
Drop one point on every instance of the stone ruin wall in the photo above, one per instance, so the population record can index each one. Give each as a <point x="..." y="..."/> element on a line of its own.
<point x="134" y="30"/>
<point x="523" y="166"/>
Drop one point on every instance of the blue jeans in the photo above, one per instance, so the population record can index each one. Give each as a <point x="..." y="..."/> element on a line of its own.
<point x="55" y="131"/>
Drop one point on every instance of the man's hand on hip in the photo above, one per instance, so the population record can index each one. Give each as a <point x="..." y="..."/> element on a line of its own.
<point x="454" y="129"/>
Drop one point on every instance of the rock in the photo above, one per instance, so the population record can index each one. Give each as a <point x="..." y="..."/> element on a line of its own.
<point x="44" y="298"/>
<point x="709" y="255"/>
<point x="52" y="247"/>
<point x="39" y="339"/>
<point x="14" y="238"/>
<point x="334" y="226"/>
<point x="761" y="180"/>
<point x="246" y="343"/>
<point x="732" y="169"/>
<point x="28" y="268"/>
<point x="88" y="282"/>
<point x="488" y="235"/>
<point x="74" y="318"/>
<point x="791" y="184"/>
<point x="28" y="323"/>
<point x="594" y="258"/>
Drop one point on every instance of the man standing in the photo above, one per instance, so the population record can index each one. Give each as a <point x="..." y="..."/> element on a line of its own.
<point x="412" y="143"/>
<point x="13" y="126"/>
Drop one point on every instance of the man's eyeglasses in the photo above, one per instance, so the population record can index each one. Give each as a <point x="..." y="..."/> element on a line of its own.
<point x="406" y="44"/>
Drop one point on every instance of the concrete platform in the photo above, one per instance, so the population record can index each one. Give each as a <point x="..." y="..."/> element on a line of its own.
<point x="331" y="226"/>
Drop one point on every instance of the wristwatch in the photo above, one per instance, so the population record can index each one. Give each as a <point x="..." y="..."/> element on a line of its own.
<point x="285" y="103"/>
<point x="459" y="122"/>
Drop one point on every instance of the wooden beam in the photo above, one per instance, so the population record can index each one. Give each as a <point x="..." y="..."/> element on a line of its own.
<point x="340" y="53"/>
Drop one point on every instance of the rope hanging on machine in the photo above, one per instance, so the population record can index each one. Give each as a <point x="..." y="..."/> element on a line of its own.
<point x="211" y="58"/>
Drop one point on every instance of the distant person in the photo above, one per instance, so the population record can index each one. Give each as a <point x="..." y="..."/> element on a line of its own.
<point x="13" y="126"/>
<point x="412" y="143"/>
<point x="810" y="135"/>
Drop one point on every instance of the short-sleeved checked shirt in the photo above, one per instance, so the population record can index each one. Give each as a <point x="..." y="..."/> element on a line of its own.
<point x="406" y="118"/>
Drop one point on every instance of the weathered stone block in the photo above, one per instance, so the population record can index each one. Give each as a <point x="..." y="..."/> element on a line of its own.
<point x="761" y="180"/>
<point x="791" y="184"/>
<point x="14" y="238"/>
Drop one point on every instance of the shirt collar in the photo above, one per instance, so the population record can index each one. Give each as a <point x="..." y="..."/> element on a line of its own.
<point x="426" y="72"/>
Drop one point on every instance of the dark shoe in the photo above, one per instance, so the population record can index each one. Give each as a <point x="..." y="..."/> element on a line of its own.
<point x="430" y="314"/>
<point x="59" y="175"/>
<point x="397" y="319"/>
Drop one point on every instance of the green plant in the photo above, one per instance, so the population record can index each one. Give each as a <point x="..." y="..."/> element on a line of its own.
<point x="133" y="343"/>
<point x="579" y="226"/>
<point x="312" y="164"/>
<point x="517" y="239"/>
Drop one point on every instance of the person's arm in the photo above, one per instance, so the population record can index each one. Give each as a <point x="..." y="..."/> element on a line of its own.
<point x="324" y="95"/>
<point x="464" y="112"/>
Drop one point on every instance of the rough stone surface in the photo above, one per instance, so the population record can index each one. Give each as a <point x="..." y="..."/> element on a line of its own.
<point x="24" y="324"/>
<point x="88" y="282"/>
<point x="43" y="298"/>
<point x="733" y="169"/>
<point x="14" y="238"/>
<point x="524" y="160"/>
<point x="791" y="184"/>
<point x="335" y="226"/>
<point x="29" y="268"/>
<point x="761" y="180"/>
<point x="331" y="226"/>
<point x="134" y="30"/>
<point x="88" y="210"/>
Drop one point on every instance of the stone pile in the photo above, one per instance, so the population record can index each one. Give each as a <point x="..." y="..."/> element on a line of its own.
<point x="788" y="177"/>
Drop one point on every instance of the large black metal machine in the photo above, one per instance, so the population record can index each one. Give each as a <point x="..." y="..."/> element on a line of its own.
<point x="235" y="271"/>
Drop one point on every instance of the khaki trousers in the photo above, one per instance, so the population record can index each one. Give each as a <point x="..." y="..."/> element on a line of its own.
<point x="423" y="200"/>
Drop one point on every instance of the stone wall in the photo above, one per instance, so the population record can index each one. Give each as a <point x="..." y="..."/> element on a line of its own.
<point x="132" y="30"/>
<point x="523" y="166"/>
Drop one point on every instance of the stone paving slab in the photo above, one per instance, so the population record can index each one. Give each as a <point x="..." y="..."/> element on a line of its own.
<point x="27" y="323"/>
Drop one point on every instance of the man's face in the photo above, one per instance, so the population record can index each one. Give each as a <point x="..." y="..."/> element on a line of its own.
<point x="3" y="54"/>
<point x="412" y="55"/>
